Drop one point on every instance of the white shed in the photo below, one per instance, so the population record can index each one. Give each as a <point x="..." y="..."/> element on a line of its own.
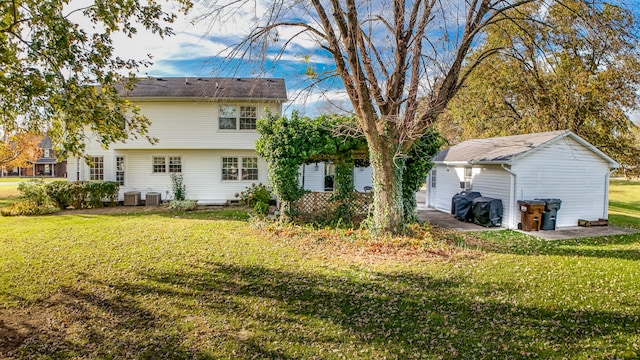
<point x="556" y="164"/>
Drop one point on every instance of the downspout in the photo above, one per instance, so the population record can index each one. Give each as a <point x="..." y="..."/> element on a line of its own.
<point x="605" y="209"/>
<point x="512" y="206"/>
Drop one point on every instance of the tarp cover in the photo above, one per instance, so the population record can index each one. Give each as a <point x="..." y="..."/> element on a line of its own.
<point x="487" y="211"/>
<point x="461" y="205"/>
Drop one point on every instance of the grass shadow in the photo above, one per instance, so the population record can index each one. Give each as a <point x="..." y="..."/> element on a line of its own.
<point x="402" y="313"/>
<point x="624" y="247"/>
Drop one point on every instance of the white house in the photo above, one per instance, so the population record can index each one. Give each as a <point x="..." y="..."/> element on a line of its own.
<point x="557" y="164"/>
<point x="320" y="177"/>
<point x="206" y="129"/>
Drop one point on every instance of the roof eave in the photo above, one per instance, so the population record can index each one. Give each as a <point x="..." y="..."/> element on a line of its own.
<point x="472" y="163"/>
<point x="202" y="98"/>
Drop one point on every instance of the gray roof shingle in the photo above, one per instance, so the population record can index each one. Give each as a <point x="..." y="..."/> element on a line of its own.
<point x="210" y="88"/>
<point x="502" y="150"/>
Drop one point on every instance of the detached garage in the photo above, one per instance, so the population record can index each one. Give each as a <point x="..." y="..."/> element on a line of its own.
<point x="557" y="164"/>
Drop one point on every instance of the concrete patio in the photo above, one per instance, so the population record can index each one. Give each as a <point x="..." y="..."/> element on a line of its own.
<point x="446" y="220"/>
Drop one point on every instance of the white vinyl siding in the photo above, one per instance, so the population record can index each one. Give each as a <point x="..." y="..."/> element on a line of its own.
<point x="570" y="172"/>
<point x="563" y="169"/>
<point x="192" y="125"/>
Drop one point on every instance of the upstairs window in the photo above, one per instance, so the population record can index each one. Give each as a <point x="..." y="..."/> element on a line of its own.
<point x="228" y="117"/>
<point x="232" y="117"/>
<point x="248" y="118"/>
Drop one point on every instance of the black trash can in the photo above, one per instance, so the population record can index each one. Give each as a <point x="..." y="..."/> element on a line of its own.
<point x="550" y="214"/>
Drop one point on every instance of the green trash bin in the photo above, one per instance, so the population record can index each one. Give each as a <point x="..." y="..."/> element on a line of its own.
<point x="550" y="214"/>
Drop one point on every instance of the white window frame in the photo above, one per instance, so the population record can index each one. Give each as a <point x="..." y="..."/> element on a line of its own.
<point x="96" y="168"/>
<point x="241" y="169"/>
<point x="241" y="115"/>
<point x="168" y="165"/>
<point x="120" y="167"/>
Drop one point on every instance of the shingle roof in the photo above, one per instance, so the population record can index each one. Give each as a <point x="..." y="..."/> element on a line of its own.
<point x="214" y="88"/>
<point x="502" y="150"/>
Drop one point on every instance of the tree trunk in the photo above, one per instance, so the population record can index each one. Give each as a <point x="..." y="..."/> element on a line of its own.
<point x="388" y="214"/>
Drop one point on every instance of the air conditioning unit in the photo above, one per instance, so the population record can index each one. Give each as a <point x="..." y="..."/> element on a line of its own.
<point x="132" y="198"/>
<point x="465" y="185"/>
<point x="152" y="199"/>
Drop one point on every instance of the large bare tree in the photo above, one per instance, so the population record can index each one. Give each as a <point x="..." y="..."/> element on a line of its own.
<point x="391" y="55"/>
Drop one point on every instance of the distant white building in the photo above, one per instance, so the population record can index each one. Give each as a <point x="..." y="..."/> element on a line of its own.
<point x="557" y="164"/>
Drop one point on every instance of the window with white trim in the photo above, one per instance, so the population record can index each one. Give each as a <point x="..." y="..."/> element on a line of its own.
<point x="240" y="168"/>
<point x="96" y="168"/>
<point x="433" y="178"/>
<point x="249" y="168"/>
<point x="234" y="117"/>
<point x="120" y="170"/>
<point x="248" y="118"/>
<point x="164" y="164"/>
<point x="159" y="164"/>
<point x="229" y="168"/>
<point x="175" y="164"/>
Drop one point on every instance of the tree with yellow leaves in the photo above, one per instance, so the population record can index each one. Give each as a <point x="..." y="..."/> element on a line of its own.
<point x="19" y="149"/>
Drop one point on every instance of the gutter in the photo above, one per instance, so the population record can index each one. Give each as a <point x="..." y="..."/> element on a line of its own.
<point x="512" y="206"/>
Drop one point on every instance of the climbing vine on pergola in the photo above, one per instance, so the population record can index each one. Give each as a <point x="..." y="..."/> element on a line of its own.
<point x="287" y="143"/>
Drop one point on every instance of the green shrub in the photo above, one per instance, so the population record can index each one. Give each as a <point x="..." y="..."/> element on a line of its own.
<point x="83" y="194"/>
<point x="261" y="208"/>
<point x="255" y="194"/>
<point x="183" y="205"/>
<point x="27" y="207"/>
<point x="58" y="192"/>
<point x="178" y="186"/>
<point x="33" y="191"/>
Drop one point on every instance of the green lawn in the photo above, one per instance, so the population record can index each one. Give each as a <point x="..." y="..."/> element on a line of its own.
<point x="624" y="203"/>
<point x="21" y="179"/>
<point x="214" y="285"/>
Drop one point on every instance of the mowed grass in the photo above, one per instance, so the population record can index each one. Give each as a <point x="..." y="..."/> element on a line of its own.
<point x="212" y="284"/>
<point x="624" y="203"/>
<point x="22" y="179"/>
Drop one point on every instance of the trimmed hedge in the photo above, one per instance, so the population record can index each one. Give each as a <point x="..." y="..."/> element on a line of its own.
<point x="83" y="194"/>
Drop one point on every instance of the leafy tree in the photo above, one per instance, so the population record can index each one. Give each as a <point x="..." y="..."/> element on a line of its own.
<point x="50" y="66"/>
<point x="578" y="69"/>
<point x="19" y="150"/>
<point x="389" y="55"/>
<point x="287" y="143"/>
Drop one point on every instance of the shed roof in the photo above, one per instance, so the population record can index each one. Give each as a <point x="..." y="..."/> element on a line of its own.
<point x="210" y="88"/>
<point x="506" y="149"/>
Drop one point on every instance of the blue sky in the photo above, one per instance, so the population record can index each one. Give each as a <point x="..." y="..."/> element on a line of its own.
<point x="197" y="50"/>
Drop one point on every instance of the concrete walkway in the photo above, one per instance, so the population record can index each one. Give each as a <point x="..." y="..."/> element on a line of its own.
<point x="446" y="220"/>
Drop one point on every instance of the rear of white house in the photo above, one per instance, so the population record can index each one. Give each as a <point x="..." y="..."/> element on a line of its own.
<point x="206" y="130"/>
<point x="556" y="164"/>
